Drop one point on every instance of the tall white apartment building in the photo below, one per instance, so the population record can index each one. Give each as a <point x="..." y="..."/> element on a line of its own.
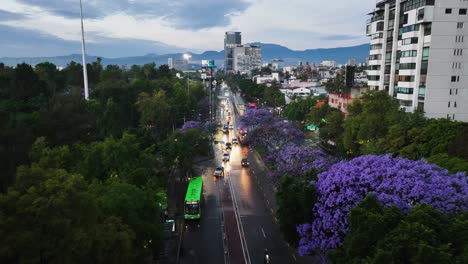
<point x="419" y="55"/>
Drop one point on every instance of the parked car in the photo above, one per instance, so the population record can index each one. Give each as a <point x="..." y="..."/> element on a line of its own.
<point x="219" y="172"/>
<point x="226" y="157"/>
<point x="245" y="162"/>
<point x="235" y="141"/>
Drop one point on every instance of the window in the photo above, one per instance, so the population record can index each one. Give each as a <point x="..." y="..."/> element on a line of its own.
<point x="458" y="78"/>
<point x="408" y="53"/>
<point x="448" y="10"/>
<point x="453" y="116"/>
<point x="409" y="41"/>
<point x="405" y="78"/>
<point x="450" y="92"/>
<point x="409" y="28"/>
<point x="421" y="14"/>
<point x="454" y="78"/>
<point x="380" y="26"/>
<point x="375" y="57"/>
<point x="376" y="46"/>
<point x="460" y="25"/>
<point x="462" y="11"/>
<point x="449" y="104"/>
<point x="428" y="29"/>
<point x="456" y="91"/>
<point x="407" y="66"/>
<point x="455" y="104"/>
<point x="402" y="90"/>
<point x="425" y="54"/>
<point x="458" y="52"/>
<point x="413" y="4"/>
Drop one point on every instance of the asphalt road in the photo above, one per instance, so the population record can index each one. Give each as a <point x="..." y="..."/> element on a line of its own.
<point x="236" y="225"/>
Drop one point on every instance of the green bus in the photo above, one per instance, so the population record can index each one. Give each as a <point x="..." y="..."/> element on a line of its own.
<point x="192" y="205"/>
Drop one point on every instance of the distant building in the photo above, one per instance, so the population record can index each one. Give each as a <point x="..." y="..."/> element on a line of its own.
<point x="328" y="64"/>
<point x="351" y="62"/>
<point x="246" y="58"/>
<point x="231" y="41"/>
<point x="178" y="64"/>
<point x="342" y="101"/>
<point x="268" y="78"/>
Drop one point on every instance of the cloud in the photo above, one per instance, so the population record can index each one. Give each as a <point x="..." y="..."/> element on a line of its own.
<point x="7" y="16"/>
<point x="20" y="42"/>
<point x="180" y="14"/>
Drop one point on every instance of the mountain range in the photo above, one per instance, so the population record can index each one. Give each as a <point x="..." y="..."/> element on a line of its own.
<point x="269" y="52"/>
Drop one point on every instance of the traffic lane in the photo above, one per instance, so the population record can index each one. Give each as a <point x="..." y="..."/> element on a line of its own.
<point x="261" y="232"/>
<point x="207" y="230"/>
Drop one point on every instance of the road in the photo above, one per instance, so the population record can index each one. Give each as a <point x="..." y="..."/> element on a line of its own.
<point x="236" y="225"/>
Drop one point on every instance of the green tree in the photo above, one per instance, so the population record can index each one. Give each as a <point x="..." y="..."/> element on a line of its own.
<point x="336" y="86"/>
<point x="295" y="197"/>
<point x="385" y="235"/>
<point x="369" y="120"/>
<point x="48" y="216"/>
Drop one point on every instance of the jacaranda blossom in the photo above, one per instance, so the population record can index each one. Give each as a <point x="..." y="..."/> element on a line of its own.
<point x="395" y="182"/>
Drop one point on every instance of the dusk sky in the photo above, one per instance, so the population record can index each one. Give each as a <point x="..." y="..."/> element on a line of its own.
<point x="117" y="28"/>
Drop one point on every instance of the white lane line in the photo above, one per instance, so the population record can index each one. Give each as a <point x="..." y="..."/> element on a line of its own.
<point x="263" y="232"/>
<point x="240" y="227"/>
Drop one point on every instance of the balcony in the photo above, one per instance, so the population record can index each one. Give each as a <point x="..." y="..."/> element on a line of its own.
<point x="375" y="18"/>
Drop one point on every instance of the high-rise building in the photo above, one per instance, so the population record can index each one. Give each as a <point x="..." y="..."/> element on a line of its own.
<point x="247" y="58"/>
<point x="417" y="55"/>
<point x="231" y="40"/>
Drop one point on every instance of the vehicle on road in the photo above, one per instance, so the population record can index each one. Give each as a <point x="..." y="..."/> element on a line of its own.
<point x="231" y="127"/>
<point x="219" y="172"/>
<point x="193" y="197"/>
<point x="228" y="146"/>
<point x="235" y="141"/>
<point x="226" y="129"/>
<point x="245" y="162"/>
<point x="267" y="257"/>
<point x="226" y="156"/>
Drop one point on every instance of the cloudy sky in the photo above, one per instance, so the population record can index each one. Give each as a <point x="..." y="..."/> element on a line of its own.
<point x="116" y="28"/>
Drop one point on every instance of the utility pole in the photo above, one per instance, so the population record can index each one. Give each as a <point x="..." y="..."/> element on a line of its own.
<point x="83" y="52"/>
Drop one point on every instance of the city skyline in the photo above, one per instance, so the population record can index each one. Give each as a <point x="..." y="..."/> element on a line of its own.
<point x="127" y="29"/>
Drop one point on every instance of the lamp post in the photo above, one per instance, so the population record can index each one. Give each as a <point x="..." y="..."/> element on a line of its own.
<point x="187" y="57"/>
<point x="83" y="51"/>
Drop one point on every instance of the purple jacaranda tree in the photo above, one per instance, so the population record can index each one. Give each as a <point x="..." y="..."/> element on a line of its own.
<point x="394" y="181"/>
<point x="268" y="131"/>
<point x="256" y="117"/>
<point x="296" y="160"/>
<point x="191" y="125"/>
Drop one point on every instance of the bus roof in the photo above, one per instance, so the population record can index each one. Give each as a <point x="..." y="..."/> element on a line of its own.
<point x="194" y="190"/>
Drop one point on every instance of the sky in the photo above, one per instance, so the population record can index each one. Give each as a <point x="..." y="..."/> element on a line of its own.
<point x="119" y="28"/>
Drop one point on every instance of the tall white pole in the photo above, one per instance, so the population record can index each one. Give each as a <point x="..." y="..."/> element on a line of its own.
<point x="83" y="52"/>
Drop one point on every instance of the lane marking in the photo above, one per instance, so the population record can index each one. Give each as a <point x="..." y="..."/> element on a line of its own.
<point x="263" y="232"/>
<point x="240" y="227"/>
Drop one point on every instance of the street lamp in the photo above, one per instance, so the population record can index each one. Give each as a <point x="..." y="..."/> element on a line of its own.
<point x="187" y="57"/>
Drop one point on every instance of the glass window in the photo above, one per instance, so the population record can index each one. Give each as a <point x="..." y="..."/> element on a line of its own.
<point x="425" y="54"/>
<point x="454" y="78"/>
<point x="448" y="10"/>
<point x="462" y="11"/>
<point x="460" y="25"/>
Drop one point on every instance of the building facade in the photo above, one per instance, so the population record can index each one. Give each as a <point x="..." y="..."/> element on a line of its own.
<point x="247" y="58"/>
<point x="418" y="54"/>
<point x="231" y="41"/>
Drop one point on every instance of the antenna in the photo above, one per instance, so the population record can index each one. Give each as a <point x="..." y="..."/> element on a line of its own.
<point x="83" y="52"/>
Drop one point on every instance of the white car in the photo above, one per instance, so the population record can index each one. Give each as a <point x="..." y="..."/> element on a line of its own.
<point x="235" y="141"/>
<point x="226" y="157"/>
